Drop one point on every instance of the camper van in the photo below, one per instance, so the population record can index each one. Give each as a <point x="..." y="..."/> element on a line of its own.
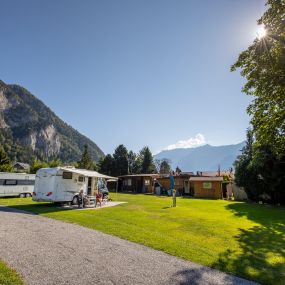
<point x="16" y="184"/>
<point x="63" y="184"/>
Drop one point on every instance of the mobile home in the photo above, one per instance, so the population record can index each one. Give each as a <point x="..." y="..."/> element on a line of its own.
<point x="62" y="184"/>
<point x="16" y="184"/>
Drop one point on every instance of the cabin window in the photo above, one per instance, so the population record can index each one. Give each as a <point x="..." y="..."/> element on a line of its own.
<point x="147" y="182"/>
<point x="207" y="185"/>
<point x="10" y="182"/>
<point x="81" y="179"/>
<point x="128" y="182"/>
<point x="66" y="175"/>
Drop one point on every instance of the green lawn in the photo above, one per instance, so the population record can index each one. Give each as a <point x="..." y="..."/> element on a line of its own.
<point x="9" y="276"/>
<point x="247" y="240"/>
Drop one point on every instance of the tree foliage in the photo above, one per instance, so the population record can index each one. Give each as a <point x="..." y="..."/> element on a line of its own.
<point x="120" y="156"/>
<point x="260" y="172"/>
<point x="147" y="164"/>
<point x="178" y="170"/>
<point x="134" y="163"/>
<point x="106" y="165"/>
<point x="124" y="162"/>
<point x="263" y="66"/>
<point x="5" y="164"/>
<point x="261" y="167"/>
<point x="163" y="165"/>
<point x="37" y="164"/>
<point x="86" y="162"/>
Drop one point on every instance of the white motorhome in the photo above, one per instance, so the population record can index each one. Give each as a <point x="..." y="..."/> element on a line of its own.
<point x="62" y="184"/>
<point x="16" y="184"/>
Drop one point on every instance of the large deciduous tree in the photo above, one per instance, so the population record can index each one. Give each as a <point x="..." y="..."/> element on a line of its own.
<point x="263" y="66"/>
<point x="261" y="167"/>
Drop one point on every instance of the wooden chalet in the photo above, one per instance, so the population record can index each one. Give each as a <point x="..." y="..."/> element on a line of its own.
<point x="207" y="187"/>
<point x="181" y="182"/>
<point x="21" y="167"/>
<point x="137" y="183"/>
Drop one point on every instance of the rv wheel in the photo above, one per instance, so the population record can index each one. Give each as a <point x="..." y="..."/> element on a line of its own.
<point x="22" y="195"/>
<point x="28" y="195"/>
<point x="74" y="200"/>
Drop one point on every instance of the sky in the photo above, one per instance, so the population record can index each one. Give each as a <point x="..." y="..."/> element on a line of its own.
<point x="148" y="72"/>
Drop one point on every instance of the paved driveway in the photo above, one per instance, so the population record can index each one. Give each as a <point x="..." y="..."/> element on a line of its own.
<point x="47" y="251"/>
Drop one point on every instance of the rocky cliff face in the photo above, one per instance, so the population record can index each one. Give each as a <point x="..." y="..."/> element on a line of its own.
<point x="29" y="129"/>
<point x="46" y="140"/>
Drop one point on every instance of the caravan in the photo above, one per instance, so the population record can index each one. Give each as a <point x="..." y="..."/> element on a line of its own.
<point x="63" y="184"/>
<point x="16" y="184"/>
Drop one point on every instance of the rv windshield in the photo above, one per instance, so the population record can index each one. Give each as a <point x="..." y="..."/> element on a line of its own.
<point x="102" y="185"/>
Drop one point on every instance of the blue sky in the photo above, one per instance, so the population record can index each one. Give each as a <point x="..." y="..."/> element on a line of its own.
<point x="149" y="72"/>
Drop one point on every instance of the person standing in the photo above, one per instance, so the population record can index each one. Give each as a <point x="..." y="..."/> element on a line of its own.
<point x="80" y="199"/>
<point x="230" y="191"/>
<point x="173" y="191"/>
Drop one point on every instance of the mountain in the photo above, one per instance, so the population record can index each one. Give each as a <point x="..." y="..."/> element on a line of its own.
<point x="203" y="158"/>
<point x="28" y="128"/>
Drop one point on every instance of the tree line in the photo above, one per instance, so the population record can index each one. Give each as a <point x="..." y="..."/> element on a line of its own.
<point x="124" y="162"/>
<point x="260" y="169"/>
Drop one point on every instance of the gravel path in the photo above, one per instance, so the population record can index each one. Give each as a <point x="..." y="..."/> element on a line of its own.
<point x="47" y="251"/>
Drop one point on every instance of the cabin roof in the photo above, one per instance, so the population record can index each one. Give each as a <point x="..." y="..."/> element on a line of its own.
<point x="22" y="164"/>
<point x="138" y="175"/>
<point x="203" y="178"/>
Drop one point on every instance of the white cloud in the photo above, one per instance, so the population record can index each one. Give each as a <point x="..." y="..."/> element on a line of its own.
<point x="198" y="140"/>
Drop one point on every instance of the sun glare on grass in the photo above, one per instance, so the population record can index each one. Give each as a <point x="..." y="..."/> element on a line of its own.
<point x="261" y="32"/>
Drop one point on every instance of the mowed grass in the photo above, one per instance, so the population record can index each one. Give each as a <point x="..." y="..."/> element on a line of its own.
<point x="9" y="276"/>
<point x="247" y="240"/>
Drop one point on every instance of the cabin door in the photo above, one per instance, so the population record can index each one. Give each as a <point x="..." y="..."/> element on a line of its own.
<point x="186" y="187"/>
<point x="89" y="186"/>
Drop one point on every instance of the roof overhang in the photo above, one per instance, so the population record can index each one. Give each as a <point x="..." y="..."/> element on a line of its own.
<point x="206" y="179"/>
<point x="88" y="173"/>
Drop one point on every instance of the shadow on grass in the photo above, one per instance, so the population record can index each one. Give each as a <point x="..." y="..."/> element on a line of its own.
<point x="262" y="248"/>
<point x="32" y="209"/>
<point x="198" y="276"/>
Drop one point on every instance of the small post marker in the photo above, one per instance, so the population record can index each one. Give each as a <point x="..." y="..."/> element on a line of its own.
<point x="174" y="198"/>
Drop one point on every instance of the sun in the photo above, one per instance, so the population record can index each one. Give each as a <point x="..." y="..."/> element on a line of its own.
<point x="261" y="32"/>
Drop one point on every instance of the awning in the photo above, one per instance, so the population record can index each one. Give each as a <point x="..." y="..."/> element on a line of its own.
<point x="88" y="173"/>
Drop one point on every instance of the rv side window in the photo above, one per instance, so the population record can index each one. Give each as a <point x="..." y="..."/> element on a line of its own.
<point x="66" y="175"/>
<point x="10" y="182"/>
<point x="80" y="178"/>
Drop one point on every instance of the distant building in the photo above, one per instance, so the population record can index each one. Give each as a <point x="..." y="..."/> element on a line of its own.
<point x="207" y="187"/>
<point x="181" y="182"/>
<point x="21" y="167"/>
<point x="137" y="183"/>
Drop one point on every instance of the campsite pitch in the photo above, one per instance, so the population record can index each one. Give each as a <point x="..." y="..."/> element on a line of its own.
<point x="91" y="207"/>
<point x="243" y="239"/>
<point x="65" y="253"/>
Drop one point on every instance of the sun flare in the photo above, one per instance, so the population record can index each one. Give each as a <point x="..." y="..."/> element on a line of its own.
<point x="261" y="32"/>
